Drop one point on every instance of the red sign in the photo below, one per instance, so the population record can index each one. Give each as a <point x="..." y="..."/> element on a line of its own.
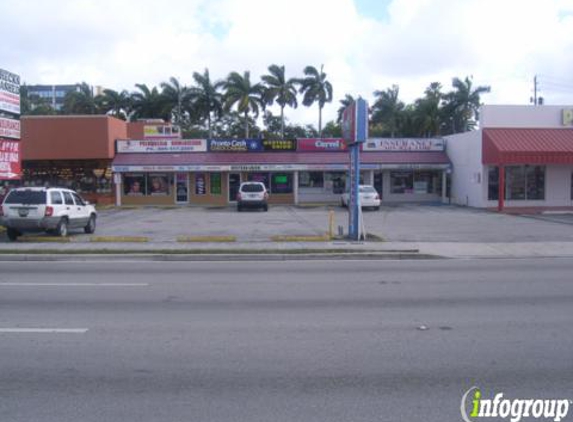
<point x="321" y="144"/>
<point x="9" y="128"/>
<point x="10" y="167"/>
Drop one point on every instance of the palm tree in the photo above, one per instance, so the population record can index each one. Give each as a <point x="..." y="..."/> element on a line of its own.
<point x="149" y="103"/>
<point x="463" y="103"/>
<point x="387" y="110"/>
<point x="174" y="95"/>
<point x="247" y="97"/>
<point x="428" y="115"/>
<point x="80" y="101"/>
<point x="117" y="104"/>
<point x="205" y="98"/>
<point x="278" y="88"/>
<point x="344" y="103"/>
<point x="316" y="89"/>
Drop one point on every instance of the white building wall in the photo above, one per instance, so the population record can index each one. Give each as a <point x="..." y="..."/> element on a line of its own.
<point x="469" y="182"/>
<point x="517" y="116"/>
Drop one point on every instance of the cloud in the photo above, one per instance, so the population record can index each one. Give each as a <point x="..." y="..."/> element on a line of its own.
<point x="119" y="43"/>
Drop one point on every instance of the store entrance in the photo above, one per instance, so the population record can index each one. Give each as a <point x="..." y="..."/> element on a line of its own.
<point x="182" y="188"/>
<point x="234" y="184"/>
<point x="378" y="182"/>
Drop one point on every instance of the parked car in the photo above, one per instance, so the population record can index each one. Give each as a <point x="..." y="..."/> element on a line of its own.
<point x="369" y="197"/>
<point x="252" y="195"/>
<point x="54" y="210"/>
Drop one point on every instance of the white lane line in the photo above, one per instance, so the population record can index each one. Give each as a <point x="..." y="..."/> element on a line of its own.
<point x="43" y="330"/>
<point x="74" y="284"/>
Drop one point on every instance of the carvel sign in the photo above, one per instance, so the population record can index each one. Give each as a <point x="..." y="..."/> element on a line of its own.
<point x="10" y="168"/>
<point x="322" y="145"/>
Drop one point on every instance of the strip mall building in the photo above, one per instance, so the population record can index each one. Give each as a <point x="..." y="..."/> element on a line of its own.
<point x="520" y="159"/>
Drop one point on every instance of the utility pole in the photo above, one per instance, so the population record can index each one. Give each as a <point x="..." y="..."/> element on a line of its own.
<point x="535" y="90"/>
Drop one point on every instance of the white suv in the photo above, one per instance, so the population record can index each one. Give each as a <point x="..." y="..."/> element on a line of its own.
<point x="252" y="195"/>
<point x="54" y="210"/>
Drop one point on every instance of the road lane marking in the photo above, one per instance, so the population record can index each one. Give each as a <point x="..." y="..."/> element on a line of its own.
<point x="43" y="330"/>
<point x="74" y="284"/>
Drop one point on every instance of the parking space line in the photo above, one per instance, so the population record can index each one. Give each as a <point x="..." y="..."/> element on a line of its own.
<point x="43" y="330"/>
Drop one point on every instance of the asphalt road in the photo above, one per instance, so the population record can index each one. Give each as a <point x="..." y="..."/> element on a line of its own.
<point x="280" y="341"/>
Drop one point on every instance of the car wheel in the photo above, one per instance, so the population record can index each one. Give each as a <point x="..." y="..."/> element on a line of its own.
<point x="12" y="234"/>
<point x="239" y="208"/>
<point x="91" y="226"/>
<point x="377" y="208"/>
<point x="266" y="208"/>
<point x="62" y="229"/>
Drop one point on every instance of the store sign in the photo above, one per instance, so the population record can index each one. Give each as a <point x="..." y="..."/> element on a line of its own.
<point x="9" y="92"/>
<point x="161" y="145"/>
<point x="235" y="145"/>
<point x="321" y="144"/>
<point x="10" y="167"/>
<point x="161" y="131"/>
<point x="567" y="116"/>
<point x="279" y="145"/>
<point x="9" y="128"/>
<point x="404" y="144"/>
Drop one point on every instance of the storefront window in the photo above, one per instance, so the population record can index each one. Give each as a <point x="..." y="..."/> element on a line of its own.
<point x="82" y="176"/>
<point x="402" y="181"/>
<point x="335" y="182"/>
<point x="157" y="184"/>
<point x="134" y="184"/>
<point x="259" y="177"/>
<point x="281" y="183"/>
<point x="200" y="188"/>
<point x="310" y="179"/>
<point x="493" y="184"/>
<point x="215" y="185"/>
<point x="424" y="182"/>
<point x="521" y="183"/>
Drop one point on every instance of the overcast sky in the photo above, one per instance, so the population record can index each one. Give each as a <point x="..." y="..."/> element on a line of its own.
<point x="365" y="45"/>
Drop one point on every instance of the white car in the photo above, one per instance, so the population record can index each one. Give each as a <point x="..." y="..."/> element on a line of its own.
<point x="252" y="195"/>
<point x="369" y="197"/>
<point x="54" y="210"/>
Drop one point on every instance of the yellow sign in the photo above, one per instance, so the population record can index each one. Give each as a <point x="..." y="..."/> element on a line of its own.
<point x="567" y="117"/>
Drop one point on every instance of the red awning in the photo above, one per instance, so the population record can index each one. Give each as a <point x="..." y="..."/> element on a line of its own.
<point x="527" y="146"/>
<point x="264" y="158"/>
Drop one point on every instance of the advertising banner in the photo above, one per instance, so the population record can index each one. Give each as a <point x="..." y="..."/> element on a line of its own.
<point x="10" y="167"/>
<point x="161" y="145"/>
<point x="235" y="145"/>
<point x="321" y="144"/>
<point x="279" y="145"/>
<point x="355" y="122"/>
<point x="404" y="144"/>
<point x="161" y="131"/>
<point x="9" y="128"/>
<point x="9" y="92"/>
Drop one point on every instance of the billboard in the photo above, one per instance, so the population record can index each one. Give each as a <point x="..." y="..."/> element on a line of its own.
<point x="161" y="131"/>
<point x="161" y="145"/>
<point x="9" y="128"/>
<point x="355" y="122"/>
<point x="321" y="144"/>
<point x="10" y="167"/>
<point x="279" y="145"/>
<point x="9" y="92"/>
<point x="405" y="144"/>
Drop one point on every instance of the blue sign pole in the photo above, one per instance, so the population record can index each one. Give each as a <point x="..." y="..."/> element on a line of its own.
<point x="354" y="203"/>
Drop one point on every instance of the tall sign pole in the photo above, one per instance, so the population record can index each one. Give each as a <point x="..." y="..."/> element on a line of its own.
<point x="355" y="133"/>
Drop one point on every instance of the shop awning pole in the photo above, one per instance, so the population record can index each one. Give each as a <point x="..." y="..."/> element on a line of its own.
<point x="501" y="190"/>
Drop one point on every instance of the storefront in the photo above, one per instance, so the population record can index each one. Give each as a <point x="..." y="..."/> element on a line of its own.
<point x="522" y="158"/>
<point x="71" y="151"/>
<point x="209" y="172"/>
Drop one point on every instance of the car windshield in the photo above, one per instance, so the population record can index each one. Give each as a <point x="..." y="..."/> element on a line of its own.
<point x="31" y="197"/>
<point x="367" y="189"/>
<point x="255" y="187"/>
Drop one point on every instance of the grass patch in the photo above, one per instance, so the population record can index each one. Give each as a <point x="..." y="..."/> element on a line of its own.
<point x="47" y="239"/>
<point x="129" y="239"/>
<point x="302" y="238"/>
<point x="299" y="251"/>
<point x="219" y="239"/>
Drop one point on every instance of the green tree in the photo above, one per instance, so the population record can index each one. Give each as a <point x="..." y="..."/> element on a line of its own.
<point x="245" y="96"/>
<point x="278" y="88"/>
<point x="462" y="105"/>
<point x="387" y="111"/>
<point x="117" y="104"/>
<point x="428" y="115"/>
<point x="80" y="101"/>
<point x="174" y="96"/>
<point x="315" y="88"/>
<point x="206" y="99"/>
<point x="149" y="104"/>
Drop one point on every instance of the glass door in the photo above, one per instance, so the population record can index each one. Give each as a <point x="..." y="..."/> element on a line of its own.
<point x="378" y="179"/>
<point x="234" y="183"/>
<point x="182" y="188"/>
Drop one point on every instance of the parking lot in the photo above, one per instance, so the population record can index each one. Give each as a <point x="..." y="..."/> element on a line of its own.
<point x="400" y="223"/>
